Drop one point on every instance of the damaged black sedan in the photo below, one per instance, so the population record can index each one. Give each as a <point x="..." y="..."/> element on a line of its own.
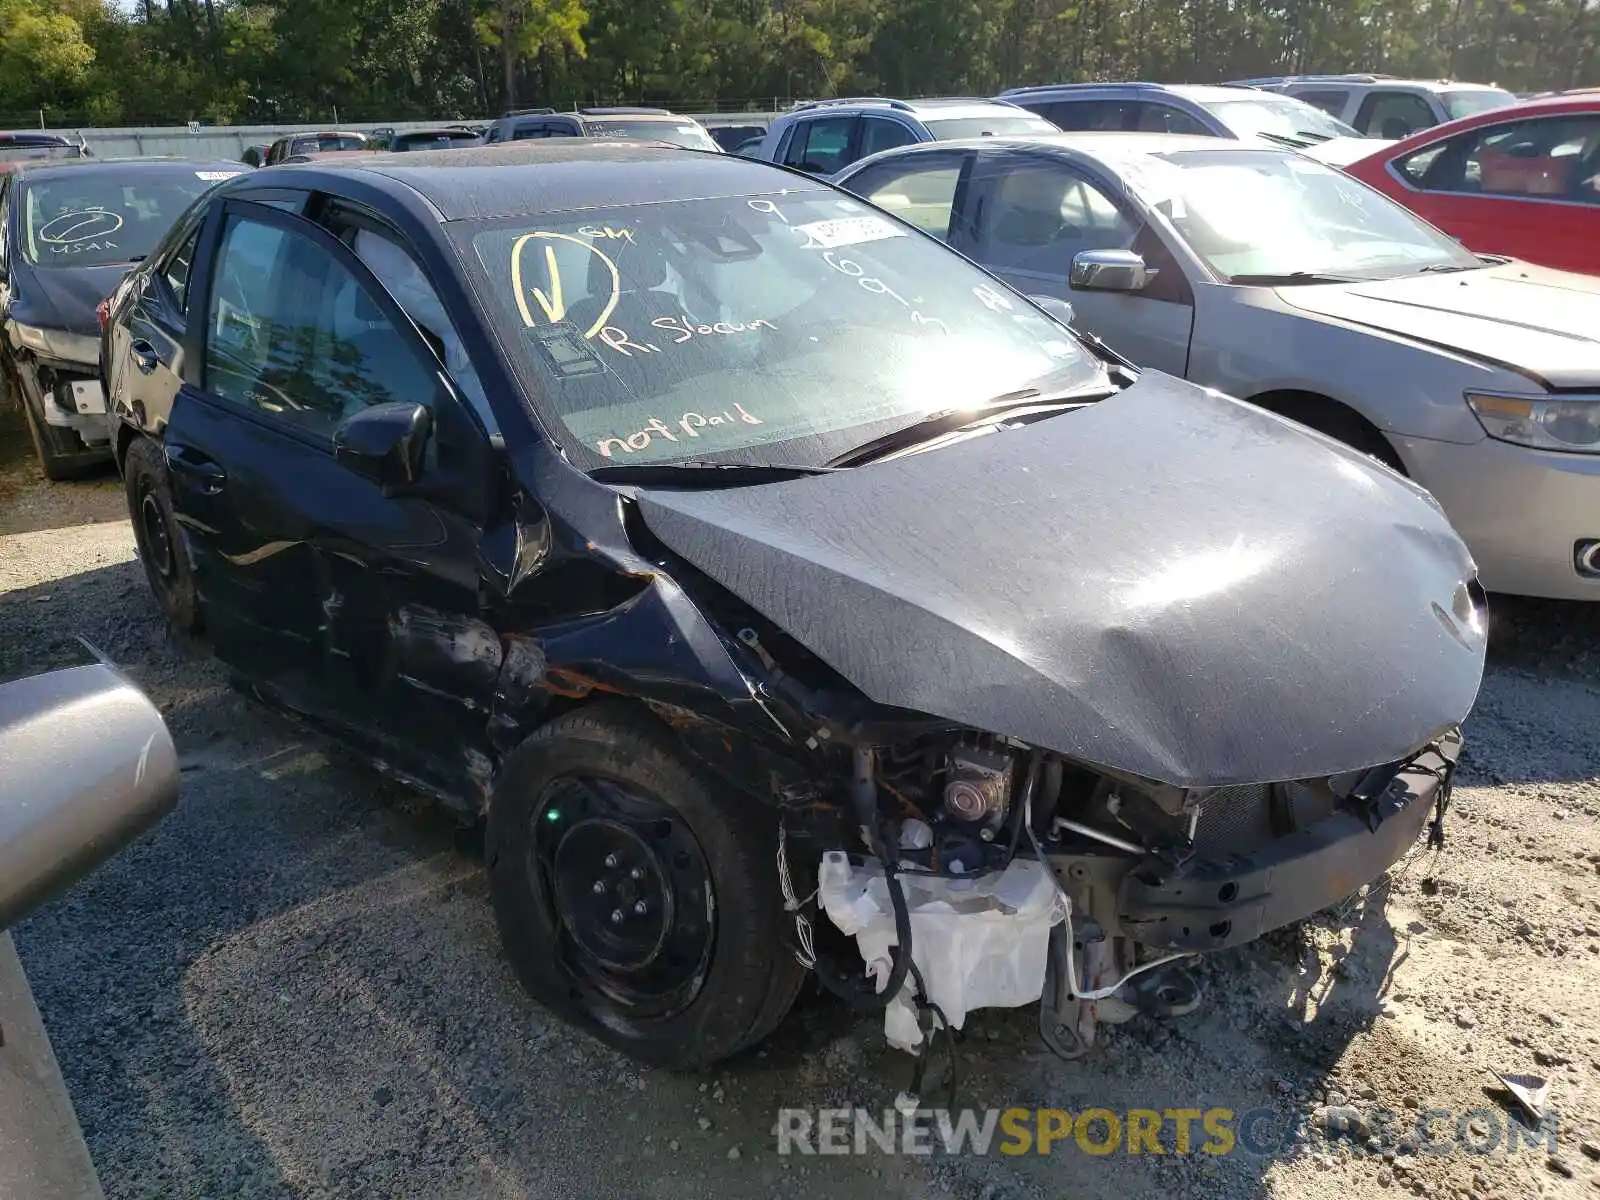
<point x="783" y="591"/>
<point x="69" y="230"/>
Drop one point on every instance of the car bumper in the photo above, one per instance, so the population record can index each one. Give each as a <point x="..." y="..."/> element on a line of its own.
<point x="1213" y="905"/>
<point x="1520" y="511"/>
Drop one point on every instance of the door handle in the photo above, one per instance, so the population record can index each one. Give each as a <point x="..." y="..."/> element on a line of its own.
<point x="205" y="473"/>
<point x="145" y="357"/>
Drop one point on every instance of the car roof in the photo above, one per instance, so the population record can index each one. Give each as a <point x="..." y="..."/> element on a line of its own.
<point x="150" y="164"/>
<point x="556" y="175"/>
<point x="28" y="138"/>
<point x="1105" y="146"/>
<point x="931" y="107"/>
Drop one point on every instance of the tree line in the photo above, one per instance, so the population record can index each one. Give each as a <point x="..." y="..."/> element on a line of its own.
<point x="158" y="62"/>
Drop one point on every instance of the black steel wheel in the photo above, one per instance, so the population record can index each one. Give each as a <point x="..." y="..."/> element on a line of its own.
<point x="632" y="890"/>
<point x="636" y="897"/>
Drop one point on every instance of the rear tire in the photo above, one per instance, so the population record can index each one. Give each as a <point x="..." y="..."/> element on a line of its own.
<point x="598" y="812"/>
<point x="159" y="536"/>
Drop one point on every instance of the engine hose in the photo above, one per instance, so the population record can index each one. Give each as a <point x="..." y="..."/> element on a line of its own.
<point x="851" y="988"/>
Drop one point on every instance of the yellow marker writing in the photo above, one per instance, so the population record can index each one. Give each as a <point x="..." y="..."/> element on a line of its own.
<point x="552" y="303"/>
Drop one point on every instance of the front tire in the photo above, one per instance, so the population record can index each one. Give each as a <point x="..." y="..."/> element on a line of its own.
<point x="159" y="536"/>
<point x="635" y="896"/>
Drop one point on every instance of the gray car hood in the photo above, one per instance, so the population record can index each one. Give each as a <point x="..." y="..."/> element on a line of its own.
<point x="1170" y="582"/>
<point x="1542" y="323"/>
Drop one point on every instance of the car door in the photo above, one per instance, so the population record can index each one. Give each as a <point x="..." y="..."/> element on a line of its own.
<point x="351" y="601"/>
<point x="1529" y="189"/>
<point x="1033" y="215"/>
<point x="925" y="189"/>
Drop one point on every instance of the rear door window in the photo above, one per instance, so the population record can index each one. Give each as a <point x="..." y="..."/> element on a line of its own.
<point x="1331" y="102"/>
<point x="880" y="133"/>
<point x="1394" y="115"/>
<point x="1163" y="118"/>
<point x="1089" y="114"/>
<point x="821" y="146"/>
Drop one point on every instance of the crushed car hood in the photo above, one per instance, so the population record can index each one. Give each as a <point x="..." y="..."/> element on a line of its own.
<point x="66" y="297"/>
<point x="1170" y="583"/>
<point x="1540" y="322"/>
<point x="1342" y="151"/>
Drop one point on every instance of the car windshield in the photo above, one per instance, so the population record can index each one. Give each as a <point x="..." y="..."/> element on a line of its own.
<point x="685" y="133"/>
<point x="97" y="216"/>
<point x="23" y="152"/>
<point x="948" y="129"/>
<point x="1275" y="213"/>
<point x="770" y="329"/>
<point x="327" y="141"/>
<point x="1278" y="116"/>
<point x="440" y="140"/>
<point x="1465" y="102"/>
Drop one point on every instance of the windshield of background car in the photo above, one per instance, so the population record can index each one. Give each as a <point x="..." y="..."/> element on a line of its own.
<point x="1282" y="116"/>
<point x="680" y="133"/>
<point x="327" y="141"/>
<point x="1269" y="212"/>
<point x="90" y="217"/>
<point x="1463" y="103"/>
<point x="38" y="153"/>
<point x="773" y="329"/>
<point x="432" y="141"/>
<point x="948" y="129"/>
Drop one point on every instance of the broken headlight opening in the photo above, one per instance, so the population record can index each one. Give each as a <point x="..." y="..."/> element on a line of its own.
<point x="981" y="872"/>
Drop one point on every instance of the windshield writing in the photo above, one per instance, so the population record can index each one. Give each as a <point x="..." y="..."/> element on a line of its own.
<point x="683" y="133"/>
<point x="781" y="329"/>
<point x="89" y="219"/>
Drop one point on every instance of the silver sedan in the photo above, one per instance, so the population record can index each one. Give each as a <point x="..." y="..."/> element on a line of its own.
<point x="1269" y="276"/>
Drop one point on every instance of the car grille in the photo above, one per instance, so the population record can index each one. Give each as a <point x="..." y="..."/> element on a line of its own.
<point x="1235" y="820"/>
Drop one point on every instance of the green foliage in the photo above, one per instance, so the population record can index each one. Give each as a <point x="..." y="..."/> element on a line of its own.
<point x="163" y="61"/>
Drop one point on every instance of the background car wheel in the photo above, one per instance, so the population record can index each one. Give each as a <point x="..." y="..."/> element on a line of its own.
<point x="636" y="897"/>
<point x="1337" y="421"/>
<point x="159" y="537"/>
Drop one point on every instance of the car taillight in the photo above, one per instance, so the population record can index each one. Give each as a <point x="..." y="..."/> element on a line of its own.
<point x="102" y="313"/>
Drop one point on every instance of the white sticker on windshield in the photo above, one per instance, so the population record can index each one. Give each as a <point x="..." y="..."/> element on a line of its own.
<point x="216" y="176"/>
<point x="847" y="231"/>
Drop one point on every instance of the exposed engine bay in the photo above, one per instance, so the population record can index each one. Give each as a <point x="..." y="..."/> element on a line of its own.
<point x="986" y="873"/>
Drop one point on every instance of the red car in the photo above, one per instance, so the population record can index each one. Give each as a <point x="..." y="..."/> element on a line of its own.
<point x="1522" y="181"/>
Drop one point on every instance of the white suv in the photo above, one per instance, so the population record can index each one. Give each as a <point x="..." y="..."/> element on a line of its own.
<point x="1381" y="106"/>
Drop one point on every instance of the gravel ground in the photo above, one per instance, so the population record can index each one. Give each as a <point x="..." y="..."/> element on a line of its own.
<point x="293" y="986"/>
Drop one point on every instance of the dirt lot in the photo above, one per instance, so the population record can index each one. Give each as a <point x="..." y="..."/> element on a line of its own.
<point x="293" y="987"/>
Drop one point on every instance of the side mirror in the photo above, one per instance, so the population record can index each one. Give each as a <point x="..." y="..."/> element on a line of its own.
<point x="86" y="766"/>
<point x="1109" y="271"/>
<point x="1057" y="308"/>
<point x="386" y="443"/>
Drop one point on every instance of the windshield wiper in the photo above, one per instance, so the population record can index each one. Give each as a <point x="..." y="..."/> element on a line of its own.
<point x="950" y="420"/>
<point x="1449" y="268"/>
<point x="1316" y="139"/>
<point x="1289" y="278"/>
<point x="721" y="474"/>
<point x="1283" y="139"/>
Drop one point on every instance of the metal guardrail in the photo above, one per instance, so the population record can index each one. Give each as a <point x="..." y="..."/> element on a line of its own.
<point x="231" y="141"/>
